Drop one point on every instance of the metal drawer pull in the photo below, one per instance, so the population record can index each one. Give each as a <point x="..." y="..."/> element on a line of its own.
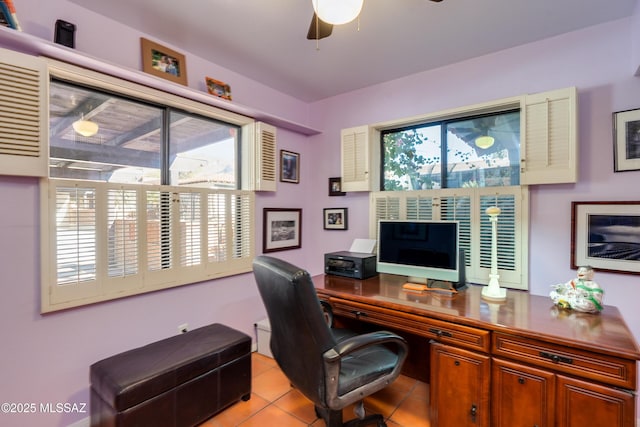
<point x="440" y="333"/>
<point x="474" y="413"/>
<point x="555" y="358"/>
<point x="358" y="313"/>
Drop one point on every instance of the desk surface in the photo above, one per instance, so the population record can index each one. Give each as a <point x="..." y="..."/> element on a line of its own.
<point x="528" y="315"/>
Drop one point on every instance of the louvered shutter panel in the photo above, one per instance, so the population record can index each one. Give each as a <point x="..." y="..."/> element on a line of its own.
<point x="24" y="112"/>
<point x="189" y="231"/>
<point x="259" y="148"/>
<point x="216" y="237"/>
<point x="549" y="146"/>
<point x="242" y="226"/>
<point x="123" y="232"/>
<point x="73" y="252"/>
<point x="419" y="207"/>
<point x="355" y="159"/>
<point x="159" y="230"/>
<point x="458" y="208"/>
<point x="383" y="206"/>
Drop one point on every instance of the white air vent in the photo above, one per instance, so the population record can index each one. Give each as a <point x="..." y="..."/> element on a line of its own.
<point x="23" y="115"/>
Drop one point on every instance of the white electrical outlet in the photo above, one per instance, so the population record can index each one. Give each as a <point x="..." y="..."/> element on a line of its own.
<point x="183" y="328"/>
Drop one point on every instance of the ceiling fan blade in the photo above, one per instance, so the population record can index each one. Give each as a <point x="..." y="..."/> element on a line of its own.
<point x="319" y="29"/>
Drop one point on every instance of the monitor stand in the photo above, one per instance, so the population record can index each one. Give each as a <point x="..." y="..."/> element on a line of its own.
<point x="421" y="284"/>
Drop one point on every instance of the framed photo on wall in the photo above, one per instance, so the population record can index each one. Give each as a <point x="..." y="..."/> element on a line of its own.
<point x="289" y="166"/>
<point x="606" y="236"/>
<point x="218" y="88"/>
<point x="282" y="229"/>
<point x="163" y="62"/>
<point x="626" y="137"/>
<point x="335" y="218"/>
<point x="335" y="187"/>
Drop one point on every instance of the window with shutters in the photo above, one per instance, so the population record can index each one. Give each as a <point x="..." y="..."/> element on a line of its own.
<point x="455" y="164"/>
<point x="148" y="195"/>
<point x="477" y="151"/>
<point x="468" y="207"/>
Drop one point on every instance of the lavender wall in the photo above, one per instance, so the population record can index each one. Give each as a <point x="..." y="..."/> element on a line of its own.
<point x="46" y="358"/>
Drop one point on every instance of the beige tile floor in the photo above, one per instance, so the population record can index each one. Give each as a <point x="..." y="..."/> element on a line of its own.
<point x="275" y="403"/>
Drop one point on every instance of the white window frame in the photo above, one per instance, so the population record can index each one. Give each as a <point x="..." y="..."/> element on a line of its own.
<point x="240" y="246"/>
<point x="548" y="155"/>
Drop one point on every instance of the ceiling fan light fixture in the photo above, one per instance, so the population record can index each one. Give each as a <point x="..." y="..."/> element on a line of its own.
<point x="337" y="12"/>
<point x="85" y="128"/>
<point x="484" y="142"/>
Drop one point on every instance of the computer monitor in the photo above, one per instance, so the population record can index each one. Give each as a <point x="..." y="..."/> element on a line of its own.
<point x="425" y="251"/>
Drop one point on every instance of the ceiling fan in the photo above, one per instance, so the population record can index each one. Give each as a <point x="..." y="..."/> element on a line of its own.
<point x="320" y="28"/>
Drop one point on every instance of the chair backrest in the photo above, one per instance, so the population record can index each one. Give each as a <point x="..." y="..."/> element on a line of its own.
<point x="299" y="333"/>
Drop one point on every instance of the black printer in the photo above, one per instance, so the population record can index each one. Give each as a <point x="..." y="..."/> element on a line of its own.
<point x="356" y="265"/>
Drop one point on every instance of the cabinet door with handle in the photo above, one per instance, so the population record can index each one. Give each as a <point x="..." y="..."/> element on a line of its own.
<point x="582" y="403"/>
<point x="521" y="395"/>
<point x="459" y="387"/>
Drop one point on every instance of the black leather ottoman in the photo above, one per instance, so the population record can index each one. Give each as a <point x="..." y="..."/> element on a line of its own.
<point x="178" y="381"/>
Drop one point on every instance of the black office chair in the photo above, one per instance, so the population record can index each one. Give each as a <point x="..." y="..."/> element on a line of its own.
<point x="332" y="368"/>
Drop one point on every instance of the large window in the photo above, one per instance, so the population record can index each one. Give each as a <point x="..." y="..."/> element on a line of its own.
<point x="481" y="151"/>
<point x="100" y="136"/>
<point x="145" y="191"/>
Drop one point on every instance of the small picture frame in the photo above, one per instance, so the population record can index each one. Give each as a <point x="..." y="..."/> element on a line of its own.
<point x="281" y="229"/>
<point x="606" y="236"/>
<point x="336" y="218"/>
<point x="626" y="140"/>
<point x="218" y="88"/>
<point x="335" y="187"/>
<point x="289" y="166"/>
<point x="163" y="62"/>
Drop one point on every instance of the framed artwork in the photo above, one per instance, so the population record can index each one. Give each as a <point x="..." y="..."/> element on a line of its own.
<point x="282" y="229"/>
<point x="335" y="187"/>
<point x="336" y="218"/>
<point x="163" y="62"/>
<point x="626" y="140"/>
<point x="606" y="236"/>
<point x="218" y="88"/>
<point x="289" y="167"/>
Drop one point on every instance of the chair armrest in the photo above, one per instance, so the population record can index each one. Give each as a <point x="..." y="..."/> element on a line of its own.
<point x="334" y="357"/>
<point x="357" y="342"/>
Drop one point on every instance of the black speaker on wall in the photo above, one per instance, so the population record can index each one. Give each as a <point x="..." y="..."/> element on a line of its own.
<point x="65" y="33"/>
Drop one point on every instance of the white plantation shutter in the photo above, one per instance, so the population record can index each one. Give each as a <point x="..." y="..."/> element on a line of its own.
<point x="385" y="205"/>
<point x="458" y="208"/>
<point x="190" y="229"/>
<point x="548" y="147"/>
<point x="123" y="232"/>
<point x="159" y="230"/>
<point x="216" y="230"/>
<point x="420" y="207"/>
<point x="241" y="220"/>
<point x="359" y="170"/>
<point x="259" y="151"/>
<point x="114" y="240"/>
<point x="467" y="206"/>
<point x="24" y="115"/>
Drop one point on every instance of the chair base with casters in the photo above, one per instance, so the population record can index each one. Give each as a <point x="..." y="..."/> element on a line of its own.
<point x="334" y="418"/>
<point x="333" y="368"/>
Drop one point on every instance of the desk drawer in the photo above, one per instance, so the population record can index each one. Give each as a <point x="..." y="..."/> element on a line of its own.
<point x="445" y="332"/>
<point x="581" y="363"/>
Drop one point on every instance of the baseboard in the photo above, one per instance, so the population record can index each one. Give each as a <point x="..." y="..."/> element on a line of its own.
<point x="85" y="422"/>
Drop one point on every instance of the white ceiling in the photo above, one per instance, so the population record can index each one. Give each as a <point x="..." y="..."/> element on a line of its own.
<point x="265" y="40"/>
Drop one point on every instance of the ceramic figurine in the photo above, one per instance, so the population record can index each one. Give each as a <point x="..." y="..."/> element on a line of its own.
<point x="580" y="294"/>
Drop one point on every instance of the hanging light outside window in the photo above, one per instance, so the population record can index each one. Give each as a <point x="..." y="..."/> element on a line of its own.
<point x="484" y="142"/>
<point x="337" y="12"/>
<point x="85" y="128"/>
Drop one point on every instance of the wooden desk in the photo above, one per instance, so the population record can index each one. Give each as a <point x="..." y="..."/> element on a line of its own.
<point x="521" y="362"/>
